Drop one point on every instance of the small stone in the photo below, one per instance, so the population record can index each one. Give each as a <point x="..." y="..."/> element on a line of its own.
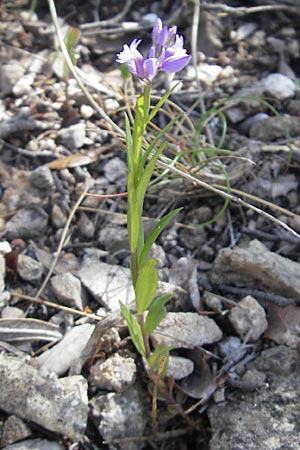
<point x="115" y="373"/>
<point x="60" y="357"/>
<point x="115" y="171"/>
<point x="186" y="330"/>
<point x="29" y="269"/>
<point x="120" y="416"/>
<point x="2" y="273"/>
<point x="86" y="111"/>
<point x="14" y="430"/>
<point x="10" y="74"/>
<point x="279" y="86"/>
<point x="86" y="226"/>
<point x="41" y="177"/>
<point x="67" y="289"/>
<point x="59" y="405"/>
<point x="11" y="312"/>
<point x="36" y="444"/>
<point x="72" y="137"/>
<point x="248" y="318"/>
<point x="23" y="85"/>
<point x="58" y="217"/>
<point x="179" y="367"/>
<point x="28" y="223"/>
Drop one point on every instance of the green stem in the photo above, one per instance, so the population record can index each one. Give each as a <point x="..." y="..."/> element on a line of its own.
<point x="145" y="336"/>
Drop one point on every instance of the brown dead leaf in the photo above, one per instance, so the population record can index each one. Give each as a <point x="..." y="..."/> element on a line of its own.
<point x="284" y="325"/>
<point x="71" y="161"/>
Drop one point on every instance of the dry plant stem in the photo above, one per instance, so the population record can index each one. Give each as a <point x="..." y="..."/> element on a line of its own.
<point x="71" y="67"/>
<point x="243" y="10"/>
<point x="54" y="305"/>
<point x="61" y="243"/>
<point x="114" y="20"/>
<point x="184" y="174"/>
<point x="195" y="26"/>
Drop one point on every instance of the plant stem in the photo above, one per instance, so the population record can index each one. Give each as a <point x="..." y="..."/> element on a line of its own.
<point x="145" y="336"/>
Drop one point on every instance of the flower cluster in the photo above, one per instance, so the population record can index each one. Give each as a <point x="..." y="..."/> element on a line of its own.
<point x="166" y="53"/>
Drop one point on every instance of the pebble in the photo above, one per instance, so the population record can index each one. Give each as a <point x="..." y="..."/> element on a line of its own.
<point x="59" y="405"/>
<point x="58" y="217"/>
<point x="23" y="85"/>
<point x="115" y="170"/>
<point x="11" y="312"/>
<point x="36" y="444"/>
<point x="248" y="318"/>
<point x="60" y="357"/>
<point x="27" y="223"/>
<point x="67" y="289"/>
<point x="86" y="226"/>
<point x="29" y="269"/>
<point x="279" y="86"/>
<point x="41" y="177"/>
<point x="186" y="330"/>
<point x="179" y="367"/>
<point x="2" y="273"/>
<point x="120" y="416"/>
<point x="86" y="111"/>
<point x="113" y="374"/>
<point x="73" y="136"/>
<point x="10" y="75"/>
<point x="14" y="430"/>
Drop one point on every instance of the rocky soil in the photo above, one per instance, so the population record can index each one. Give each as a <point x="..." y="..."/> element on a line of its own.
<point x="70" y="377"/>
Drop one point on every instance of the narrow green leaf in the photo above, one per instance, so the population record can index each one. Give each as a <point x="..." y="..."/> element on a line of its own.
<point x="155" y="232"/>
<point x="145" y="178"/>
<point x="138" y="131"/>
<point x="157" y="138"/>
<point x="71" y="37"/>
<point x="160" y="103"/>
<point x="158" y="357"/>
<point x="133" y="218"/>
<point x="129" y="145"/>
<point x="146" y="285"/>
<point x="156" y="313"/>
<point x="134" y="329"/>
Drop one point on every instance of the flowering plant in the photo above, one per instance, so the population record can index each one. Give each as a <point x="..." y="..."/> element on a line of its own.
<point x="166" y="54"/>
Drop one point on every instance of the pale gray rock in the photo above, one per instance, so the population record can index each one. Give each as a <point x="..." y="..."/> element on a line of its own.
<point x="10" y="74"/>
<point x="29" y="269"/>
<point x="86" y="226"/>
<point x="11" y="312"/>
<point x="73" y="137"/>
<point x="14" y="430"/>
<point x="41" y="177"/>
<point x="60" y="357"/>
<point x="59" y="405"/>
<point x="28" y="223"/>
<point x="36" y="444"/>
<point x="115" y="170"/>
<point x="67" y="289"/>
<point x="110" y="284"/>
<point x="23" y="85"/>
<point x="248" y="319"/>
<point x="268" y="418"/>
<point x="113" y="238"/>
<point x="279" y="86"/>
<point x="256" y="267"/>
<point x="120" y="416"/>
<point x="2" y="273"/>
<point x="179" y="367"/>
<point x="113" y="374"/>
<point x="58" y="217"/>
<point x="186" y="330"/>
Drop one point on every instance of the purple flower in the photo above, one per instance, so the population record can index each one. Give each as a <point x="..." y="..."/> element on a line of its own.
<point x="166" y="53"/>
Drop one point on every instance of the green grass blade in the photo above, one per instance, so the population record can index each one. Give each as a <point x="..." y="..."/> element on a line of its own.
<point x="156" y="313"/>
<point x="155" y="232"/>
<point x="159" y="104"/>
<point x="146" y="285"/>
<point x="134" y="329"/>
